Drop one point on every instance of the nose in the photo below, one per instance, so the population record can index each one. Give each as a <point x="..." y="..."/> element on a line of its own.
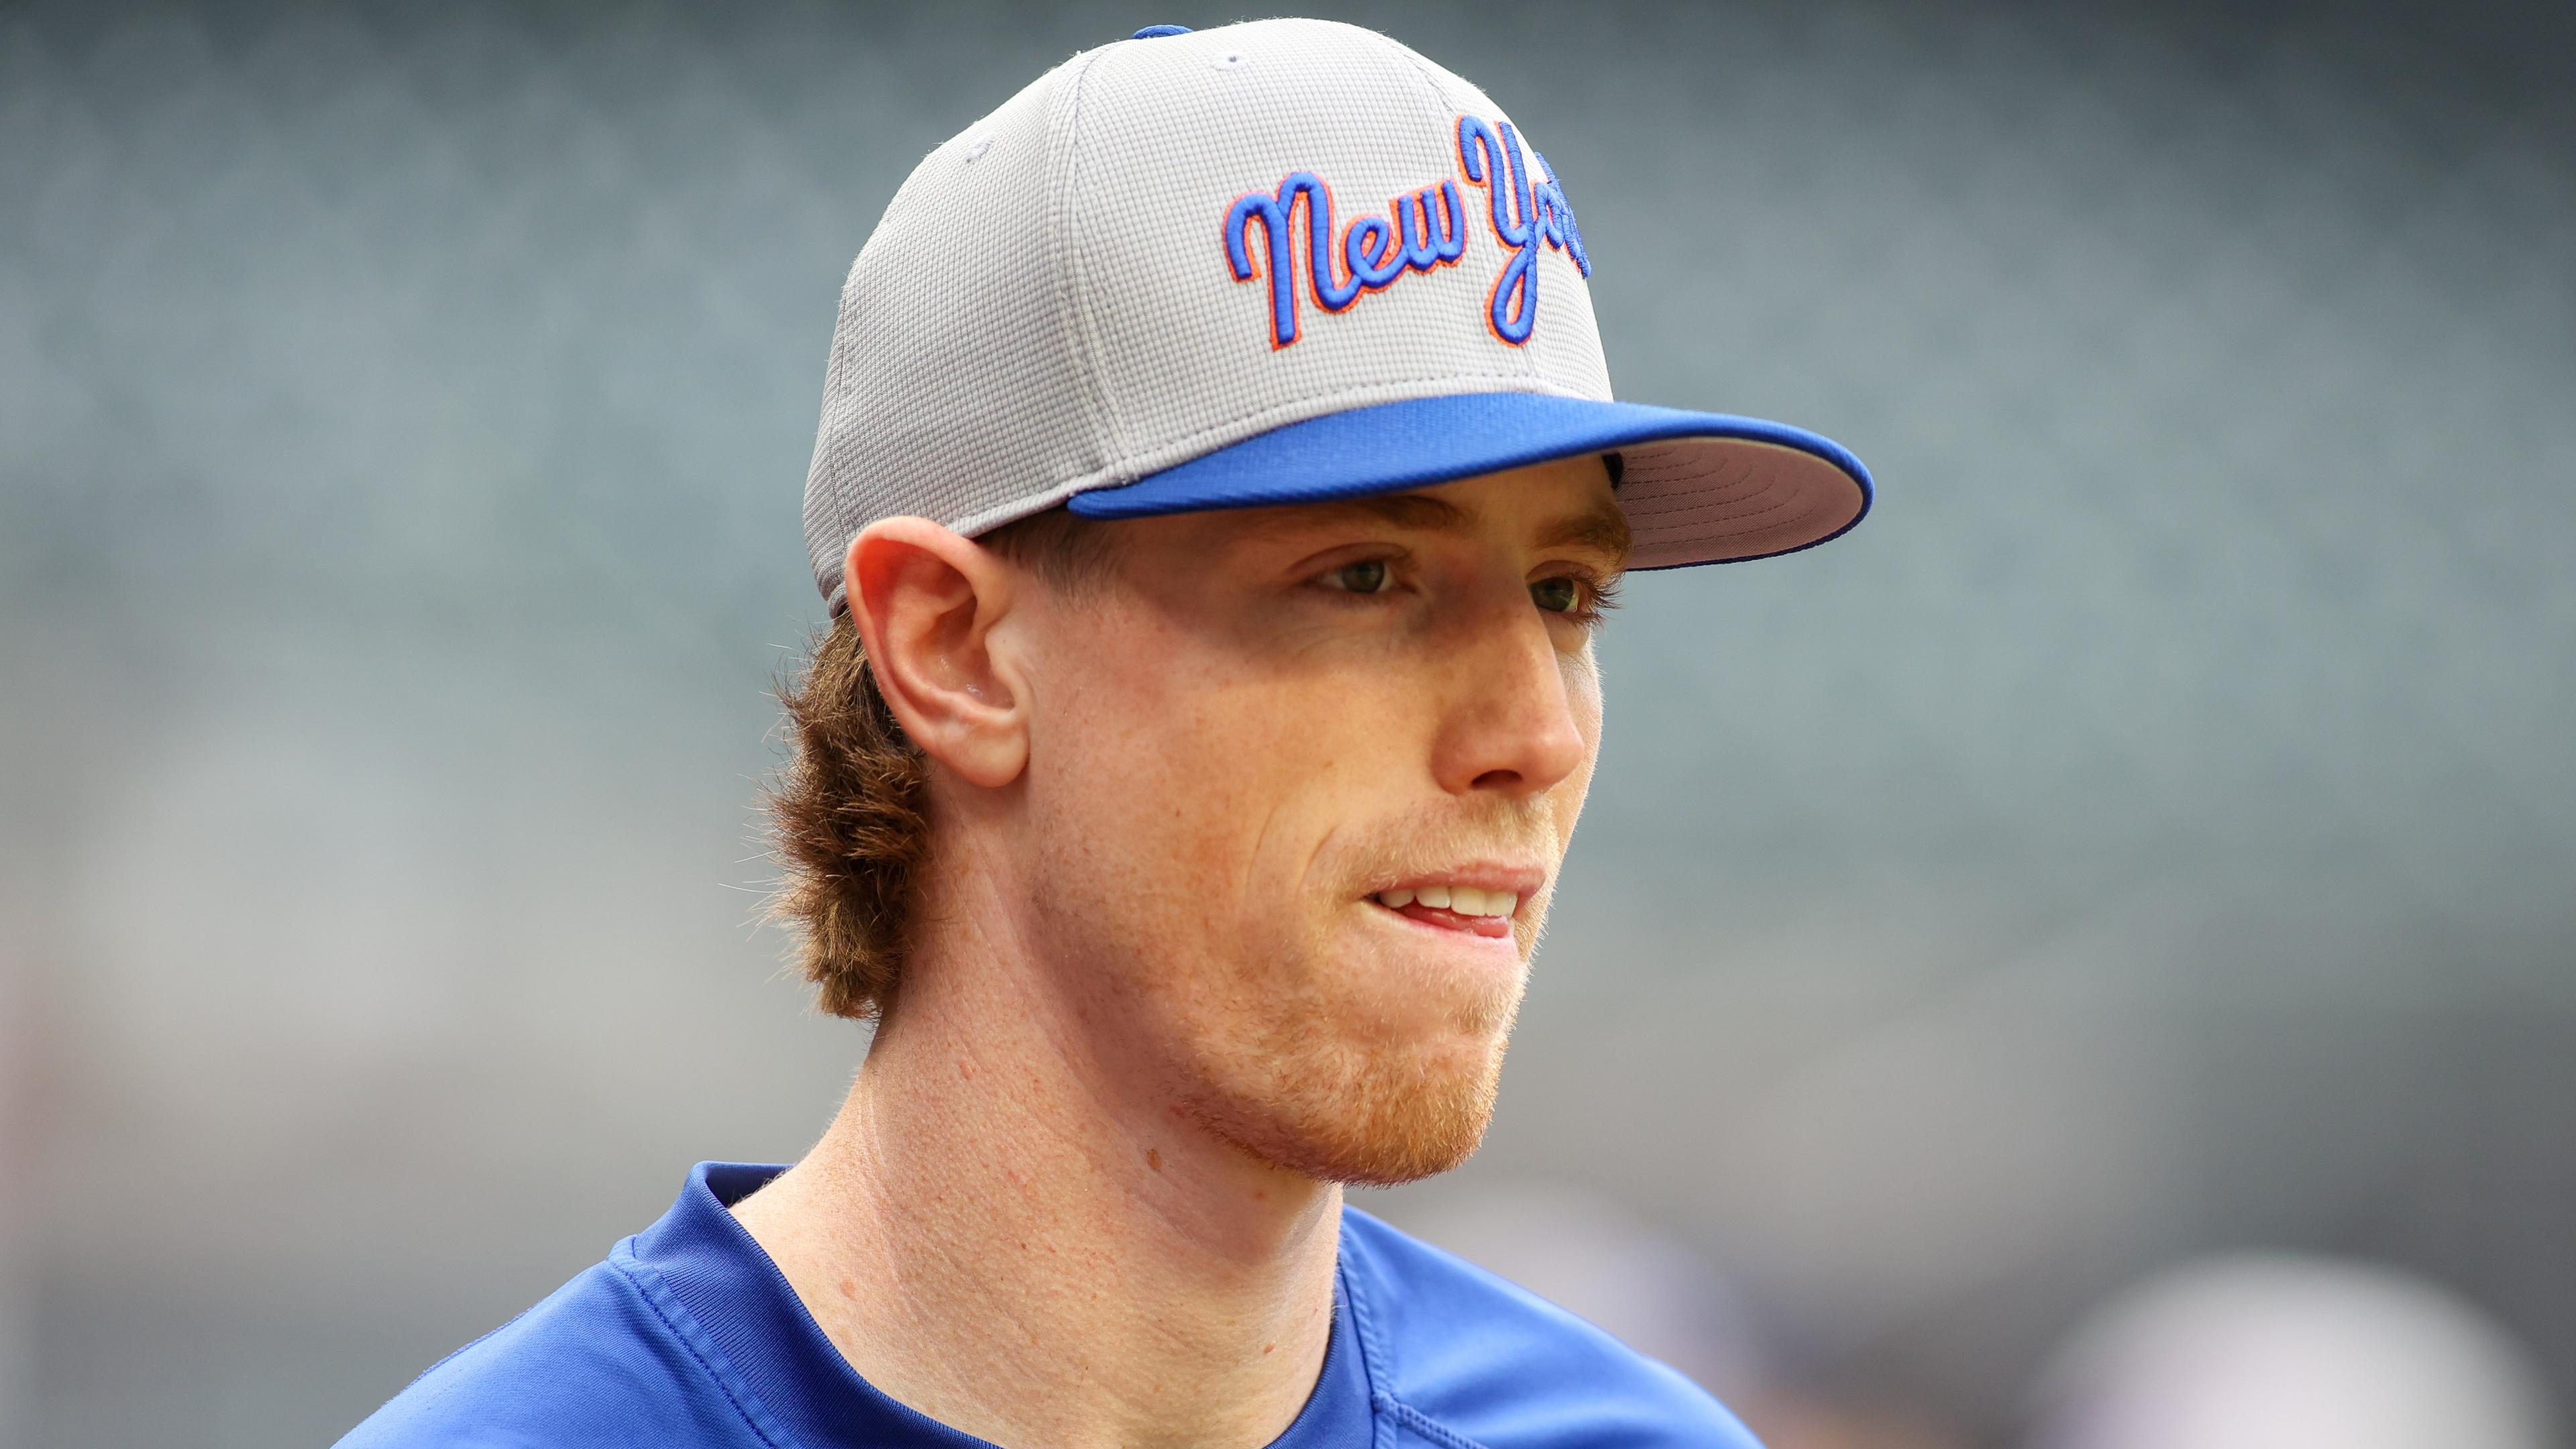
<point x="1511" y="725"/>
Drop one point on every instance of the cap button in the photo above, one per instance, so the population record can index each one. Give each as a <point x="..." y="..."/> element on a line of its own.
<point x="1157" y="32"/>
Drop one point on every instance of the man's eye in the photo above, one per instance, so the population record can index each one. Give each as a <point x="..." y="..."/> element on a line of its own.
<point x="1368" y="576"/>
<point x="1557" y="596"/>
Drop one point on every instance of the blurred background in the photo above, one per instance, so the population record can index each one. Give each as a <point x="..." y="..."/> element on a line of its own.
<point x="2116" y="905"/>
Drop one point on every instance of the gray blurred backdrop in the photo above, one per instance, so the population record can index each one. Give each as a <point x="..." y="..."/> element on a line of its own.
<point x="2151" y="833"/>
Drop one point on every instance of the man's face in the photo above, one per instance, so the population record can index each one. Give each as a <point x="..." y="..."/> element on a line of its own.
<point x="1262" y="752"/>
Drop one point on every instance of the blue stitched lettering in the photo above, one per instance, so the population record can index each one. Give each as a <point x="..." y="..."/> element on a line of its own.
<point x="1483" y="163"/>
<point x="1274" y="255"/>
<point x="1332" y="292"/>
<point x="1423" y="230"/>
<point x="1525" y="214"/>
<point x="1373" y="260"/>
<point x="1558" y="217"/>
<point x="1427" y="244"/>
<point x="1373" y="251"/>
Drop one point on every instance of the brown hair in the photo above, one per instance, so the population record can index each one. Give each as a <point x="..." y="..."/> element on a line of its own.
<point x="851" y="809"/>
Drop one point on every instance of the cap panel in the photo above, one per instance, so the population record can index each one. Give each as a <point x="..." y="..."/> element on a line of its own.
<point x="953" y="386"/>
<point x="1173" y="133"/>
<point x="1564" y="350"/>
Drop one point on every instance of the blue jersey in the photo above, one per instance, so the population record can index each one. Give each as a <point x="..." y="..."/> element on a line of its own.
<point x="689" y="1335"/>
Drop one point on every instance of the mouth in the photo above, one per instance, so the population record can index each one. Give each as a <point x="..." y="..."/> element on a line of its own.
<point x="1485" y="908"/>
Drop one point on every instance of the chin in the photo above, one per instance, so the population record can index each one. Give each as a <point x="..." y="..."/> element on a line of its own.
<point x="1337" y="1057"/>
<point x="1365" y="1114"/>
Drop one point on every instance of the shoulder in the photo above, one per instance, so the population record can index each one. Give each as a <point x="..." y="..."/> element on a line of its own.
<point x="1471" y="1361"/>
<point x="599" y="1363"/>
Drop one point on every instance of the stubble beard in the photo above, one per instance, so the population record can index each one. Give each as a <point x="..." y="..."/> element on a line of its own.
<point x="1313" y="1099"/>
<point x="1298" y="1048"/>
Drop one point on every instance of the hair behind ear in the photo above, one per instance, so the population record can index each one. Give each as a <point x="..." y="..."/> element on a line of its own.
<point x="850" y="809"/>
<point x="849" y="816"/>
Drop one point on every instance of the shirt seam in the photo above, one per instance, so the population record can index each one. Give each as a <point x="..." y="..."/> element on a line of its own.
<point x="1428" y="1427"/>
<point x="1373" y="1365"/>
<point x="652" y="1292"/>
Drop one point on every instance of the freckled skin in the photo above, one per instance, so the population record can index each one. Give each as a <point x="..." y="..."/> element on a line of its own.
<point x="1231" y="747"/>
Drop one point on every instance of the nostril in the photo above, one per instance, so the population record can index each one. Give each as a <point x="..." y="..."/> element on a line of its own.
<point x="1496" y="780"/>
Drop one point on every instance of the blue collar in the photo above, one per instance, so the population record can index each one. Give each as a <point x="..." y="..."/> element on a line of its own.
<point x="726" y="1282"/>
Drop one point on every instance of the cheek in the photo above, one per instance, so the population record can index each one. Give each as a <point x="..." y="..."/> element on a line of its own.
<point x="1218" y="811"/>
<point x="1582" y="673"/>
<point x="1182" y="738"/>
<point x="1163" y="794"/>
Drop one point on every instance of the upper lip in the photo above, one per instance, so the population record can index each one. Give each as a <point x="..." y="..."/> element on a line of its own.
<point x="1485" y="875"/>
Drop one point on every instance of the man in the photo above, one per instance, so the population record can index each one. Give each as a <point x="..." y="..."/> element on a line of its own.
<point x="1207" y="707"/>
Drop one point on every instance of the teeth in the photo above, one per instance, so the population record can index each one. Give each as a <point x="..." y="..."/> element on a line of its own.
<point x="1465" y="900"/>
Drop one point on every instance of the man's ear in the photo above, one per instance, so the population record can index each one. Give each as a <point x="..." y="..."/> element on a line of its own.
<point x="925" y="601"/>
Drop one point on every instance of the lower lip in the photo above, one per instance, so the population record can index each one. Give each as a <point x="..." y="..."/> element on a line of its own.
<point x="1497" y="928"/>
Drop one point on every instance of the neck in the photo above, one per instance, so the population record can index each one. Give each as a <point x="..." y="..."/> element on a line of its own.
<point x="1006" y="1234"/>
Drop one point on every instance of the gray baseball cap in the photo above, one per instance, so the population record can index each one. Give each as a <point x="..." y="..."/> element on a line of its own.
<point x="1162" y="279"/>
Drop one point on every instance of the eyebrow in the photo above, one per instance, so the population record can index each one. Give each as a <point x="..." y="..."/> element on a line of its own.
<point x="1603" y="528"/>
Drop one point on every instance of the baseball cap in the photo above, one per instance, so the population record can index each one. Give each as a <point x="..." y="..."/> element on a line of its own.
<point x="1276" y="262"/>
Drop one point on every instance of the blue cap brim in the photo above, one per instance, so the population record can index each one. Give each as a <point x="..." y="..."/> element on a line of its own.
<point x="1697" y="487"/>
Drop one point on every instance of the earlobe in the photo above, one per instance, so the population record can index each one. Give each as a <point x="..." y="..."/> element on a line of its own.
<point x="925" y="601"/>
